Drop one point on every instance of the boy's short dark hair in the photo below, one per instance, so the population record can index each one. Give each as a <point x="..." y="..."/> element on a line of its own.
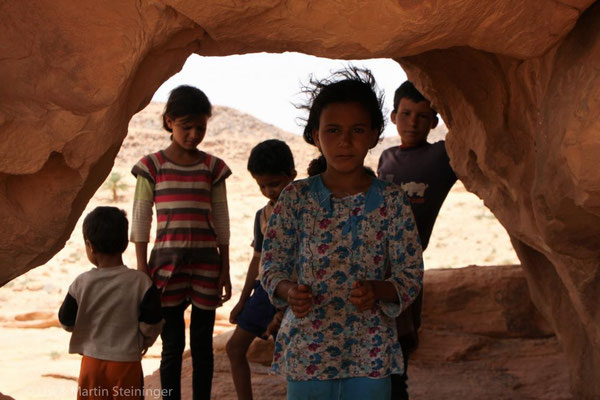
<point x="272" y="156"/>
<point x="106" y="229"/>
<point x="409" y="91"/>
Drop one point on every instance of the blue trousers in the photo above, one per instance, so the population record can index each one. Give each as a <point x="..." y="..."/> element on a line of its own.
<point x="360" y="388"/>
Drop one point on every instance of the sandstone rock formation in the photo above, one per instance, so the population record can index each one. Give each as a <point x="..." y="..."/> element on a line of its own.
<point x="517" y="83"/>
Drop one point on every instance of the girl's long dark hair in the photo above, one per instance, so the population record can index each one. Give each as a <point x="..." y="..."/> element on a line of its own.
<point x="349" y="85"/>
<point x="186" y="101"/>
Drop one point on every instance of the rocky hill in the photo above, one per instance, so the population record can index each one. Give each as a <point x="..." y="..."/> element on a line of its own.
<point x="230" y="135"/>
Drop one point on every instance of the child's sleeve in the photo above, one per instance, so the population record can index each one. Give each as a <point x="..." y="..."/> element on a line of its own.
<point x="220" y="212"/>
<point x="141" y="218"/>
<point x="150" y="320"/>
<point x="145" y="172"/>
<point x="219" y="170"/>
<point x="405" y="256"/>
<point x="257" y="242"/>
<point x="280" y="245"/>
<point x="379" y="164"/>
<point x="67" y="314"/>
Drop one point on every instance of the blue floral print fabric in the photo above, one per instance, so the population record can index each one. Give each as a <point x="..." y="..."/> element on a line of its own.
<point x="327" y="243"/>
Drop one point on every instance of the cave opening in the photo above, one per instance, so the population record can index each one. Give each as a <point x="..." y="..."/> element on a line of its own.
<point x="466" y="232"/>
<point x="524" y="86"/>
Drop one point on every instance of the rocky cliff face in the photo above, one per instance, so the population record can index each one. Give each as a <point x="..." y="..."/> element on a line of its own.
<point x="524" y="137"/>
<point x="517" y="83"/>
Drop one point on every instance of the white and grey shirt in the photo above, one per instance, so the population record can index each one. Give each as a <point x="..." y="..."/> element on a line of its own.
<point x="113" y="313"/>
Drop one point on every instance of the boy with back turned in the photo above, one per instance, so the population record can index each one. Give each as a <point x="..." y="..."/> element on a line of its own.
<point x="112" y="311"/>
<point x="423" y="170"/>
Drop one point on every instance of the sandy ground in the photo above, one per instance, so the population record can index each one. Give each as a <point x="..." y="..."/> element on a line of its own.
<point x="35" y="360"/>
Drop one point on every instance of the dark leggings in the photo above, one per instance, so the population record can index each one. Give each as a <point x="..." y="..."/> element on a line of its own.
<point x="399" y="385"/>
<point x="173" y="344"/>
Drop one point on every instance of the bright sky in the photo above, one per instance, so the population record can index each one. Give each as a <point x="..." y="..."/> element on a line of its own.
<point x="266" y="85"/>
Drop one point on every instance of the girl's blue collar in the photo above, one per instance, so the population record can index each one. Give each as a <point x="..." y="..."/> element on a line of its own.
<point x="322" y="195"/>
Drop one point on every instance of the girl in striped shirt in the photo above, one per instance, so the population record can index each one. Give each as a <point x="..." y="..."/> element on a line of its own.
<point x="189" y="262"/>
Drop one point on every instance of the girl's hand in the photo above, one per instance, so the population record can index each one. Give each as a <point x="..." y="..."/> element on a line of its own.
<point x="236" y="311"/>
<point x="362" y="295"/>
<point x="299" y="297"/>
<point x="224" y="287"/>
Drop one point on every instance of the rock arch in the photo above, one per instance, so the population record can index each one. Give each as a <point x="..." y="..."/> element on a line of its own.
<point x="517" y="82"/>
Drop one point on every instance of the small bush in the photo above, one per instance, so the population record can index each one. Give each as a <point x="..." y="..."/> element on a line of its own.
<point x="115" y="184"/>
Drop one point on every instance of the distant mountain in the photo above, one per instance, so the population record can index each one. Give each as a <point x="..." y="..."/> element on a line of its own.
<point x="231" y="135"/>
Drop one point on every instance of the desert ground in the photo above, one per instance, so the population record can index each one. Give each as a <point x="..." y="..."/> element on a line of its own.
<point x="35" y="360"/>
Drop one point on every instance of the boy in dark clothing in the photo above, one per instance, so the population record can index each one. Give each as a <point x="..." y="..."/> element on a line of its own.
<point x="423" y="170"/>
<point x="113" y="311"/>
<point x="271" y="164"/>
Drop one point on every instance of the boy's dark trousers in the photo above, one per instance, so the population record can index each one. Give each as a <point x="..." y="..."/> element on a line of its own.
<point x="173" y="344"/>
<point x="408" y="324"/>
<point x="399" y="385"/>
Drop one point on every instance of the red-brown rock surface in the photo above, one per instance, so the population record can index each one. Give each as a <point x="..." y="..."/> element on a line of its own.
<point x="517" y="83"/>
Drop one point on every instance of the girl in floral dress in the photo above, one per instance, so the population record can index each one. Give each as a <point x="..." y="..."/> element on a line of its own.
<point x="342" y="251"/>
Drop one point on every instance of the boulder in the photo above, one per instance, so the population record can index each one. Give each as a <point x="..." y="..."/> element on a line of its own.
<point x="487" y="301"/>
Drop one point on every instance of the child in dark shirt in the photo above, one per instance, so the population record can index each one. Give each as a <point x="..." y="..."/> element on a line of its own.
<point x="272" y="166"/>
<point x="424" y="172"/>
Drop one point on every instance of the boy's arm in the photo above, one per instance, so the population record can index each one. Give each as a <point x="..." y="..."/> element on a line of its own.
<point x="251" y="277"/>
<point x="248" y="287"/>
<point x="67" y="314"/>
<point x="150" y="320"/>
<point x="379" y="168"/>
<point x="252" y="273"/>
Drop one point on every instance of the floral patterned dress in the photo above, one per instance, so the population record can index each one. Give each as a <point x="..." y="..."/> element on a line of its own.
<point x="327" y="243"/>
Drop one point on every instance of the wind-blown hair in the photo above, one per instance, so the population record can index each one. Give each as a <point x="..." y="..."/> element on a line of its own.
<point x="349" y="85"/>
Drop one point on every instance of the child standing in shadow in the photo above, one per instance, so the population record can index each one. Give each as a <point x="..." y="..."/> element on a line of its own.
<point x="271" y="164"/>
<point x="424" y="172"/>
